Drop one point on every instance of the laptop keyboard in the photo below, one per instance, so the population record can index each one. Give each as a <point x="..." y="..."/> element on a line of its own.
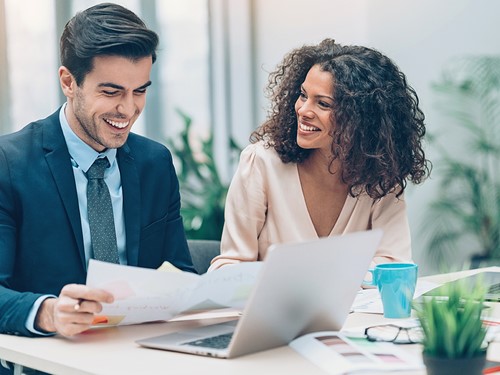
<point x="494" y="289"/>
<point x="215" y="342"/>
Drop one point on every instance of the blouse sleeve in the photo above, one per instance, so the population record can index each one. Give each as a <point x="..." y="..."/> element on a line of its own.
<point x="390" y="214"/>
<point x="245" y="212"/>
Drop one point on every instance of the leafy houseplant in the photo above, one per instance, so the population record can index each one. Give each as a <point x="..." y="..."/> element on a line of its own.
<point x="466" y="211"/>
<point x="454" y="334"/>
<point x="203" y="194"/>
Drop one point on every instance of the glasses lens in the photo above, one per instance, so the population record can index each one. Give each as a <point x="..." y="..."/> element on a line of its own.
<point x="415" y="334"/>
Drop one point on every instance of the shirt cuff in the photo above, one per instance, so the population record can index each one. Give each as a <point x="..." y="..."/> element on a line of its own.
<point x="30" y="322"/>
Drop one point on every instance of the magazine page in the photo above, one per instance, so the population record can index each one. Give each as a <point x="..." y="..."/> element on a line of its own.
<point x="145" y="295"/>
<point x="335" y="353"/>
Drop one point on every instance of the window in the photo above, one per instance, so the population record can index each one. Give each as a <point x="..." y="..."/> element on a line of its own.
<point x="180" y="76"/>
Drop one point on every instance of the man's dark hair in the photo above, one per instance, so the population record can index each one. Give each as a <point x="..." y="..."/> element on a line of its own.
<point x="104" y="30"/>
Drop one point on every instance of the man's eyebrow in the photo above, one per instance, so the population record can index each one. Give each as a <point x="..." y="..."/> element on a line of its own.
<point x="119" y="87"/>
<point x="147" y="84"/>
<point x="111" y="86"/>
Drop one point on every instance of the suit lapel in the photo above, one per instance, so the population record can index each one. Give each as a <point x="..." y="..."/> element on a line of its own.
<point x="59" y="162"/>
<point x="131" y="202"/>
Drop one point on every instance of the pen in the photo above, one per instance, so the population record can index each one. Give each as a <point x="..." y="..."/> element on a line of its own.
<point x="491" y="370"/>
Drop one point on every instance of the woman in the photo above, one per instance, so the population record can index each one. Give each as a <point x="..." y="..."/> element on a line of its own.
<point x="342" y="139"/>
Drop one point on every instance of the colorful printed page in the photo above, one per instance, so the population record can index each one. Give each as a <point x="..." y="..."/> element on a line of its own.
<point x="338" y="354"/>
<point x="145" y="295"/>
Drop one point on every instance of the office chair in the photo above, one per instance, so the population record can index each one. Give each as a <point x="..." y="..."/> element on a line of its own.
<point x="202" y="252"/>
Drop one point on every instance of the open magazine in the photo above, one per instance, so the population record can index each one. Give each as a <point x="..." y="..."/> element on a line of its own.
<point x="145" y="295"/>
<point x="336" y="353"/>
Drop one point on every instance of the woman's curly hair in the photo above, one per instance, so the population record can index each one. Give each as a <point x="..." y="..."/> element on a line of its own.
<point x="378" y="124"/>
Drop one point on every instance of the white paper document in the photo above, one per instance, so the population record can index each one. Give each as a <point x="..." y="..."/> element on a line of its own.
<point x="369" y="301"/>
<point x="144" y="295"/>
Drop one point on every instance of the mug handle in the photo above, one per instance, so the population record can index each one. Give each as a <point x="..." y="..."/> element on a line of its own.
<point x="367" y="283"/>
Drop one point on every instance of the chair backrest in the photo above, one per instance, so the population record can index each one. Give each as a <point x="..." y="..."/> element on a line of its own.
<point x="202" y="253"/>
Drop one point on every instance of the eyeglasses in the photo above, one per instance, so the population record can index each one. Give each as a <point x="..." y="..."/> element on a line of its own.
<point x="395" y="334"/>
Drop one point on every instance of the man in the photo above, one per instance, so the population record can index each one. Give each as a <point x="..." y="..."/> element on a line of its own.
<point x="47" y="236"/>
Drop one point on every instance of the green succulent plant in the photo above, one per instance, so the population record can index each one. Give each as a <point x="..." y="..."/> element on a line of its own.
<point x="451" y="323"/>
<point x="203" y="193"/>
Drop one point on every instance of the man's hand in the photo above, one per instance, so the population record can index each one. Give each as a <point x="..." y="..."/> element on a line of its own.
<point x="73" y="311"/>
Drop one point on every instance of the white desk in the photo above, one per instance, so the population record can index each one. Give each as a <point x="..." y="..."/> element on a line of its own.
<point x="113" y="351"/>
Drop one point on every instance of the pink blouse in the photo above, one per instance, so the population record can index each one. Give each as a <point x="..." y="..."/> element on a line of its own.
<point x="265" y="205"/>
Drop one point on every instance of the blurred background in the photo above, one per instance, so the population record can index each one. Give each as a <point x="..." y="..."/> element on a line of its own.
<point x="208" y="96"/>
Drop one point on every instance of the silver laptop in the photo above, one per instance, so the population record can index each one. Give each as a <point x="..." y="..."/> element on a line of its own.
<point x="489" y="279"/>
<point x="302" y="287"/>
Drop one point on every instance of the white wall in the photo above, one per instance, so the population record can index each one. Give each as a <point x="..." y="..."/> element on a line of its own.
<point x="420" y="36"/>
<point x="279" y="29"/>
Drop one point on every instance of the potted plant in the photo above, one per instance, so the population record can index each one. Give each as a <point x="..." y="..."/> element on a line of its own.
<point x="453" y="331"/>
<point x="203" y="193"/>
<point x="466" y="211"/>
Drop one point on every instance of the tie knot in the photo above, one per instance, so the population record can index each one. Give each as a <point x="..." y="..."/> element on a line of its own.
<point x="96" y="170"/>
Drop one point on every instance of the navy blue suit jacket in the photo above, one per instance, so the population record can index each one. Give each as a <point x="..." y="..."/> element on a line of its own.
<point x="41" y="242"/>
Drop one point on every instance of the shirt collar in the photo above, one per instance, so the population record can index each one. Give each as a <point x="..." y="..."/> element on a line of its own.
<point x="81" y="153"/>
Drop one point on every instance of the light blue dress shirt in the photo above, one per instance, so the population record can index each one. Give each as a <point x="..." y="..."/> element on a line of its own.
<point x="82" y="157"/>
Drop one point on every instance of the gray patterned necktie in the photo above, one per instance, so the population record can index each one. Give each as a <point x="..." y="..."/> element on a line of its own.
<point x="100" y="214"/>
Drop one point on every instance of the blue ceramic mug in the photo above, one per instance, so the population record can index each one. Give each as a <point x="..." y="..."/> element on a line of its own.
<point x="396" y="283"/>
